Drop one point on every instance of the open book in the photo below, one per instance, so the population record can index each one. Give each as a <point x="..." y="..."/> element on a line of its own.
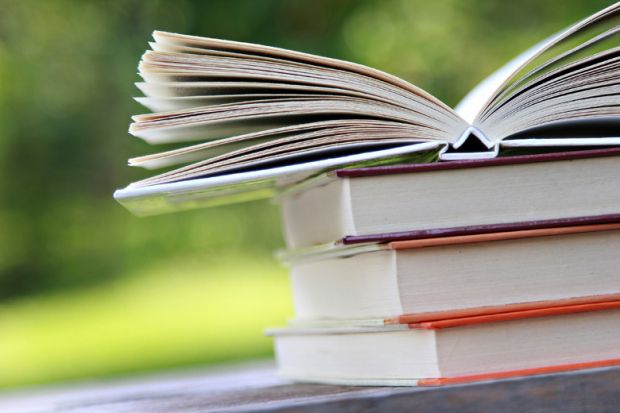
<point x="260" y="117"/>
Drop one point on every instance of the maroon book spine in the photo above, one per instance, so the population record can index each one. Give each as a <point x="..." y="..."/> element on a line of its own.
<point x="475" y="163"/>
<point x="480" y="229"/>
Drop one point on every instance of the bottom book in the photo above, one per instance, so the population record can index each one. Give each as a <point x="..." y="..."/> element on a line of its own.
<point x="452" y="351"/>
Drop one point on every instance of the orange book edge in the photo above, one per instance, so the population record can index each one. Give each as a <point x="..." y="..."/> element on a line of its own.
<point x="515" y="315"/>
<point x="500" y="309"/>
<point x="518" y="373"/>
<point x="499" y="236"/>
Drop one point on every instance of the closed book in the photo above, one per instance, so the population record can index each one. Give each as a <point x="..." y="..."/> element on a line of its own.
<point x="444" y="277"/>
<point x="362" y="205"/>
<point x="454" y="350"/>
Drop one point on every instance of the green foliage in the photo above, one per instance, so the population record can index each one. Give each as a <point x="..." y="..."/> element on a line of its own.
<point x="187" y="311"/>
<point x="66" y="74"/>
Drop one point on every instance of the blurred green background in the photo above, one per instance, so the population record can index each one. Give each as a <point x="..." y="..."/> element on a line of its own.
<point x="86" y="289"/>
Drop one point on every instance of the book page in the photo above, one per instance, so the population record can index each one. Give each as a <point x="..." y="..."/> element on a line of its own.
<point x="474" y="102"/>
<point x="482" y="95"/>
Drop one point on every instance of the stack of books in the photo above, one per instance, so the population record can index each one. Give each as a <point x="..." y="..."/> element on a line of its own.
<point x="428" y="273"/>
<point x="426" y="244"/>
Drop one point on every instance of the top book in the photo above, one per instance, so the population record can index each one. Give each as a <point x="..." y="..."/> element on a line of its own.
<point x="266" y="117"/>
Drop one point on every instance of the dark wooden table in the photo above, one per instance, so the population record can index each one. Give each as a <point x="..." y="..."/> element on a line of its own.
<point x="255" y="388"/>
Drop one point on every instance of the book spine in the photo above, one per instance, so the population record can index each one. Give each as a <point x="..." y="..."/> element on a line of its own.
<point x="500" y="236"/>
<point x="515" y="315"/>
<point x="502" y="309"/>
<point x="518" y="373"/>
<point x="482" y="229"/>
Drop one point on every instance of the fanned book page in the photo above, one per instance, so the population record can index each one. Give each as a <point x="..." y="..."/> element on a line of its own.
<point x="250" y="119"/>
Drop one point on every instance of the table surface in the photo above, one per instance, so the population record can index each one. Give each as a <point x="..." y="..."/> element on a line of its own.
<point x="255" y="388"/>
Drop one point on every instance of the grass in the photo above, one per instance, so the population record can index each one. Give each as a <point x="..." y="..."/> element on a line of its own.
<point x="183" y="312"/>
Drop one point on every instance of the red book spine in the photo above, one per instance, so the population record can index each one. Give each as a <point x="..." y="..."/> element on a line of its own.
<point x="518" y="373"/>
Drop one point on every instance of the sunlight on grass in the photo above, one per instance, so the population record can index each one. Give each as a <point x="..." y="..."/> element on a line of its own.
<point x="179" y="313"/>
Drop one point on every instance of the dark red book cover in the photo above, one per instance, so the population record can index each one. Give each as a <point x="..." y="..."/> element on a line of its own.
<point x="476" y="163"/>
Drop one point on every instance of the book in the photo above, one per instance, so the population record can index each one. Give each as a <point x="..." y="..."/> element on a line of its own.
<point x="400" y="202"/>
<point x="259" y="118"/>
<point x="457" y="350"/>
<point x="446" y="277"/>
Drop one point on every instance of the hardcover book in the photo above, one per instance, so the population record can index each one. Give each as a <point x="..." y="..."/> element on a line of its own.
<point x="447" y="198"/>
<point x="253" y="118"/>
<point x="459" y="350"/>
<point x="455" y="276"/>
